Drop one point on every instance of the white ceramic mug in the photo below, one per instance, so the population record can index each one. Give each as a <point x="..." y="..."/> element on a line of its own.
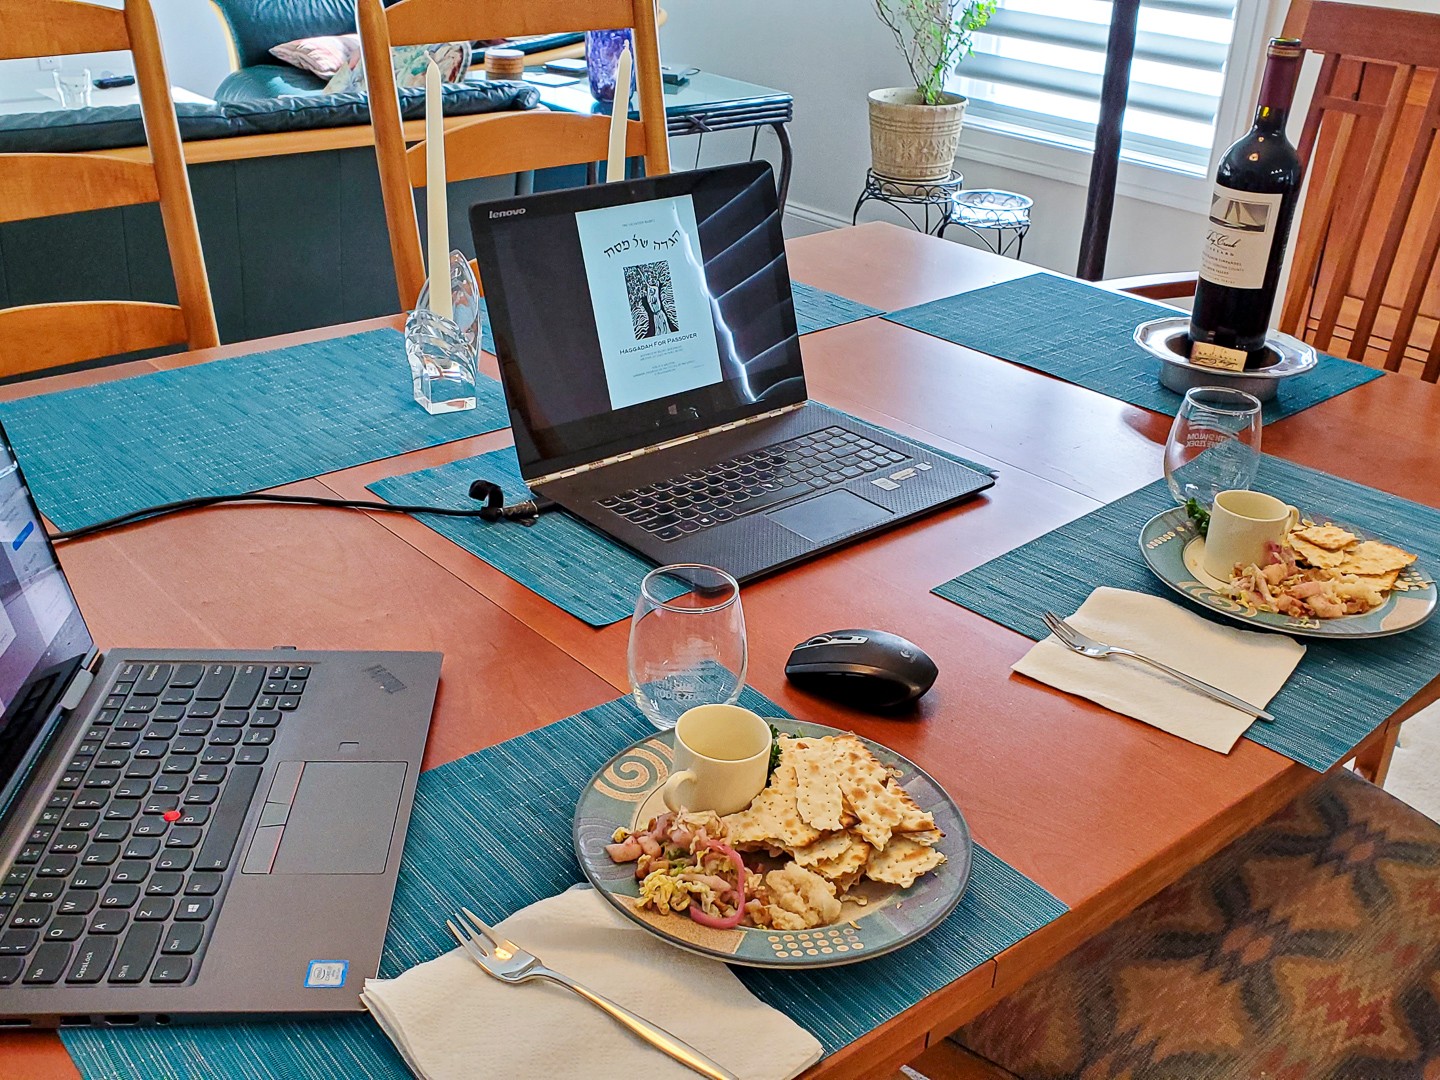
<point x="722" y="758"/>
<point x="1241" y="524"/>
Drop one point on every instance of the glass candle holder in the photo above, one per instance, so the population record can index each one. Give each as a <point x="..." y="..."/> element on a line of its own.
<point x="602" y="54"/>
<point x="73" y="88"/>
<point x="444" y="353"/>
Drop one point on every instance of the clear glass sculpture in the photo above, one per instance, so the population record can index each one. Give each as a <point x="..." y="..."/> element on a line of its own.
<point x="444" y="353"/>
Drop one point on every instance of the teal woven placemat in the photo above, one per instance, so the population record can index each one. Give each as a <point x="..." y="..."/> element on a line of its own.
<point x="492" y="831"/>
<point x="560" y="557"/>
<point x="816" y="309"/>
<point x="1341" y="691"/>
<point x="586" y="573"/>
<point x="235" y="425"/>
<point x="1083" y="334"/>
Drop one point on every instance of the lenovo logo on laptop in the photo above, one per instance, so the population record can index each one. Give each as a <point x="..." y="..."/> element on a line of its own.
<point x="506" y="213"/>
<point x="382" y="675"/>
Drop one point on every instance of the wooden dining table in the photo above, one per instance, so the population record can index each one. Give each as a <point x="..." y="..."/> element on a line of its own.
<point x="1100" y="810"/>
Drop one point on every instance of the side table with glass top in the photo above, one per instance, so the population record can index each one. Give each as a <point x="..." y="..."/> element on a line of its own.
<point x="704" y="103"/>
<point x="947" y="202"/>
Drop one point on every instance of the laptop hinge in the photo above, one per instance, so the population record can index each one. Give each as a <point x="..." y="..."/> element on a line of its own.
<point x="632" y="454"/>
<point x="75" y="692"/>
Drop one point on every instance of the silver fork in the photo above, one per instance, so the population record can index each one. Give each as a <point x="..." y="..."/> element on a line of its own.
<point x="1075" y="641"/>
<point x="506" y="961"/>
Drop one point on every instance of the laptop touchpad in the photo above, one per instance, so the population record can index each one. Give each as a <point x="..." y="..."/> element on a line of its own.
<point x="830" y="515"/>
<point x="342" y="818"/>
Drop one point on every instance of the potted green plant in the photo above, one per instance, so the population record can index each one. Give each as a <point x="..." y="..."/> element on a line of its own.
<point x="914" y="130"/>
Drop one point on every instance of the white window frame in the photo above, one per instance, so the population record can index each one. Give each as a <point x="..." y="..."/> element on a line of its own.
<point x="1008" y="146"/>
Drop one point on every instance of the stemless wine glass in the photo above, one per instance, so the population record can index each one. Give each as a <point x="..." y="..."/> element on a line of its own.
<point x="687" y="642"/>
<point x="1214" y="444"/>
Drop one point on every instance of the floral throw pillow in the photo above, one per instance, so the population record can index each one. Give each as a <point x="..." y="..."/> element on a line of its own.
<point x="321" y="56"/>
<point x="452" y="57"/>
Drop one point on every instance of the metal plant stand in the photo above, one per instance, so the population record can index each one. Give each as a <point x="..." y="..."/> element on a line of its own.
<point x="933" y="206"/>
<point x="926" y="195"/>
<point x="985" y="211"/>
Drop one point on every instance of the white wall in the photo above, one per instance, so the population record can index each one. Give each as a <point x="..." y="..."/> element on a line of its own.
<point x="196" y="53"/>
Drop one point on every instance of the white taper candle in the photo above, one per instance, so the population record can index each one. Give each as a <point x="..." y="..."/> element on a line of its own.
<point x="436" y="204"/>
<point x="619" y="115"/>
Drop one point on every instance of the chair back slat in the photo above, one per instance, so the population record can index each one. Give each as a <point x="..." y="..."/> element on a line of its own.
<point x="1328" y="68"/>
<point x="1371" y="153"/>
<point x="42" y="185"/>
<point x="60" y="28"/>
<point x="177" y="204"/>
<point x="1327" y="152"/>
<point x="1422" y="293"/>
<point x="421" y="22"/>
<point x="40" y="336"/>
<point x="1397" y="184"/>
<point x="499" y="143"/>
<point x="1431" y="370"/>
<point x="1362" y="275"/>
<point x="521" y="141"/>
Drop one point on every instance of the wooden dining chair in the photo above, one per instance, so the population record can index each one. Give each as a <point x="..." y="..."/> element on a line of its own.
<point x="38" y="336"/>
<point x="1362" y="280"/>
<point x="495" y="144"/>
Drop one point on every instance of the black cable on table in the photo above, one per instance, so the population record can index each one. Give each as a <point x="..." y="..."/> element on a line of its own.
<point x="491" y="512"/>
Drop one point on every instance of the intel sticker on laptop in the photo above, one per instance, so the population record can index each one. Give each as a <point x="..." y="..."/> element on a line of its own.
<point x="326" y="974"/>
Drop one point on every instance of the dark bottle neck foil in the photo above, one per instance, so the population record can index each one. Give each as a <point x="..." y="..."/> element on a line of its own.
<point x="1277" y="88"/>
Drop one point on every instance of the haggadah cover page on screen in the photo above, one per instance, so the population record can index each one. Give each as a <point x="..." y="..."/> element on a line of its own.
<point x="652" y="307"/>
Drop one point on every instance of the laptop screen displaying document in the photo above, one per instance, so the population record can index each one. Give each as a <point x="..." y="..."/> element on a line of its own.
<point x="43" y="639"/>
<point x="637" y="312"/>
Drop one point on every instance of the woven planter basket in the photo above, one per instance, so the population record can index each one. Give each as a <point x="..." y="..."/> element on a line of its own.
<point x="910" y="140"/>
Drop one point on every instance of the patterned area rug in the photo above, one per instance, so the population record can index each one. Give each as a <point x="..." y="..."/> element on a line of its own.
<point x="1307" y="950"/>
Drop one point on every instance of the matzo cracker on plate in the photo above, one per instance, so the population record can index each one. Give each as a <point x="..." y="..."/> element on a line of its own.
<point x="1329" y="537"/>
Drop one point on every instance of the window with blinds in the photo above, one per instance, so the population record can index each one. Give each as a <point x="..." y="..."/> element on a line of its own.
<point x="1038" y="64"/>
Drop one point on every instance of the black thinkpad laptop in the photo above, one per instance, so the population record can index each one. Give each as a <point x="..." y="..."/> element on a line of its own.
<point x="648" y="348"/>
<point x="189" y="835"/>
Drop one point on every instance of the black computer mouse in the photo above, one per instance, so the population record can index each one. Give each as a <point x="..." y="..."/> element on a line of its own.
<point x="868" y="669"/>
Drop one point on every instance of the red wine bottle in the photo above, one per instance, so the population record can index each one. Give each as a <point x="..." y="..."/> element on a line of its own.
<point x="1256" y="188"/>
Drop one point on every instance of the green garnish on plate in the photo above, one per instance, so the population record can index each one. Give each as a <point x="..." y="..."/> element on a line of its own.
<point x="775" y="734"/>
<point x="1199" y="515"/>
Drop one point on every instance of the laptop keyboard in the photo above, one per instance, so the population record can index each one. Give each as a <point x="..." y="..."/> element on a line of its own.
<point x="752" y="481"/>
<point x="123" y="873"/>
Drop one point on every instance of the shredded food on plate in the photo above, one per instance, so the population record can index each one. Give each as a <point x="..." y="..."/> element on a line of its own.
<point x="1321" y="572"/>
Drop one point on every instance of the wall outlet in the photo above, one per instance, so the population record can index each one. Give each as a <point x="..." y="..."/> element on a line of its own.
<point x="48" y="63"/>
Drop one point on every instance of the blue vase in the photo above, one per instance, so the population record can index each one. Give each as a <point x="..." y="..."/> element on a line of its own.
<point x="602" y="54"/>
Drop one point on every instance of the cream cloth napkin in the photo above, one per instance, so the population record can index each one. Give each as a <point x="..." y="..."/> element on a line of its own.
<point x="1249" y="664"/>
<point x="451" y="1020"/>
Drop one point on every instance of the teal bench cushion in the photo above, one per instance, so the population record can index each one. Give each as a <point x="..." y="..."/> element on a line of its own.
<point x="109" y="128"/>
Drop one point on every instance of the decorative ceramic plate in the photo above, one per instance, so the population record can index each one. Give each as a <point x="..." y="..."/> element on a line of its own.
<point x="626" y="791"/>
<point x="1174" y="549"/>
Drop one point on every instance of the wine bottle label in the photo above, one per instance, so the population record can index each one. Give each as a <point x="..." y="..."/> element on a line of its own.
<point x="1241" y="232"/>
<point x="1207" y="354"/>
